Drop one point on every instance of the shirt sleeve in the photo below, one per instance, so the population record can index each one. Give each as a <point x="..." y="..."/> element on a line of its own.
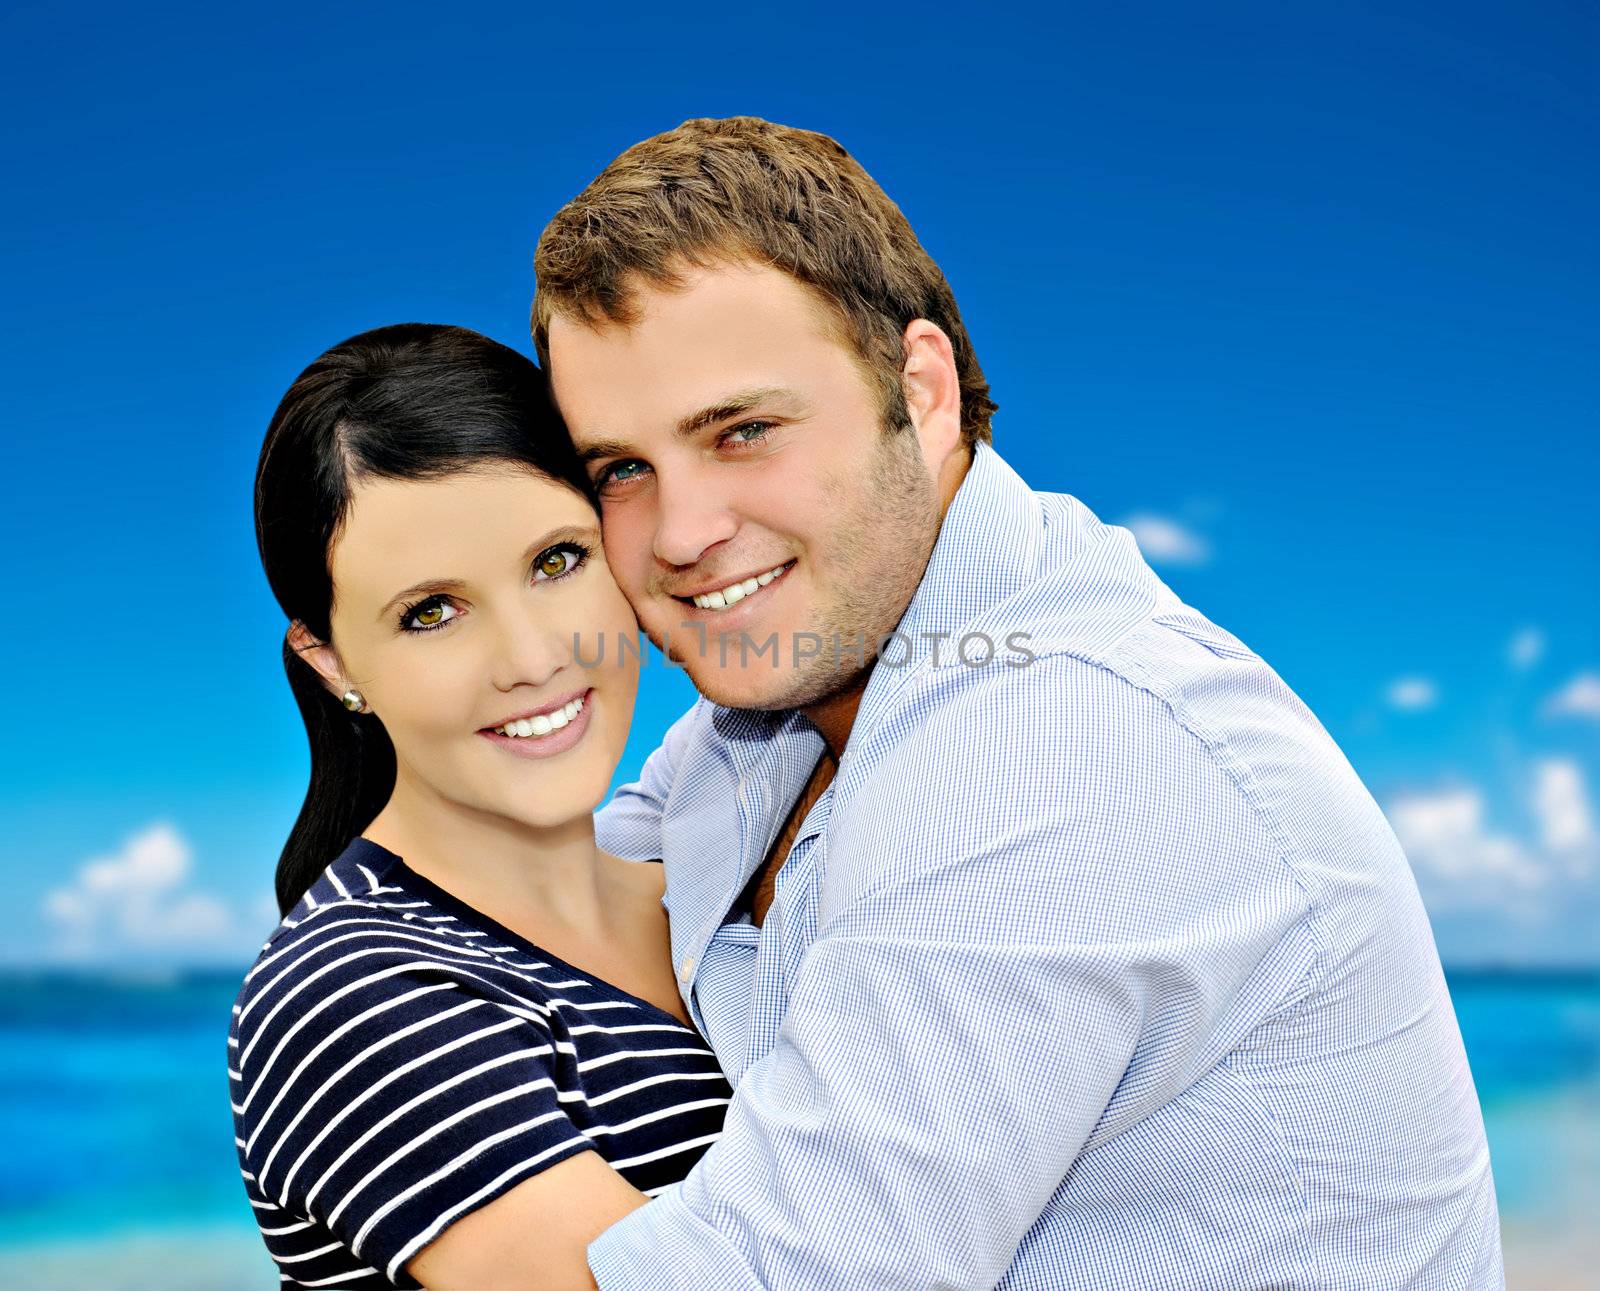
<point x="386" y="1094"/>
<point x="1084" y="922"/>
<point x="629" y="825"/>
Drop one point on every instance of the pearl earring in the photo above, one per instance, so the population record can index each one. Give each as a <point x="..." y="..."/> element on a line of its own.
<point x="354" y="701"/>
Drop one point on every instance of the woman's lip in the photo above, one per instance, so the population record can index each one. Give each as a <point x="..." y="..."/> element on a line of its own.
<point x="546" y="746"/>
<point x="549" y="708"/>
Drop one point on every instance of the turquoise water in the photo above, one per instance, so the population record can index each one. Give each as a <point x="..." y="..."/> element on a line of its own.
<point x="119" y="1168"/>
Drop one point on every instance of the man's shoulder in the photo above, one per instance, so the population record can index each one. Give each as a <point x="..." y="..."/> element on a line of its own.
<point x="1093" y="648"/>
<point x="1154" y="710"/>
<point x="1036" y="712"/>
<point x="1065" y="785"/>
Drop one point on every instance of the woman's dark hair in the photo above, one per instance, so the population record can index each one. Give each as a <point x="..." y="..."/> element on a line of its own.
<point x="410" y="402"/>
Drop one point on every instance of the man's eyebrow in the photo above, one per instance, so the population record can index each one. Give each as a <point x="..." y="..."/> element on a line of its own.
<point x="602" y="448"/>
<point x="731" y="406"/>
<point x="586" y="534"/>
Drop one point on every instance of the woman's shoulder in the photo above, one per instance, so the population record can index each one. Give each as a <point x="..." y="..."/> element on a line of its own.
<point x="358" y="936"/>
<point x="356" y="886"/>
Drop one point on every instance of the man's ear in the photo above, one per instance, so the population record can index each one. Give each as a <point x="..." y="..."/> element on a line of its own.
<point x="933" y="391"/>
<point x="320" y="655"/>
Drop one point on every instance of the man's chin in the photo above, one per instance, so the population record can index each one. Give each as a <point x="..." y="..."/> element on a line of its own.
<point x="736" y="688"/>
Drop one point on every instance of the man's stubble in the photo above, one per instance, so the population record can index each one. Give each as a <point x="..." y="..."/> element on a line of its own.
<point x="882" y="538"/>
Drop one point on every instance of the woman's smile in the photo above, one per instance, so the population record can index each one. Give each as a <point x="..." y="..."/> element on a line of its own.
<point x="543" y="732"/>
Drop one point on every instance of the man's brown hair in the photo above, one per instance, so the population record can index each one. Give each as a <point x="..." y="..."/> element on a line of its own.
<point x="746" y="189"/>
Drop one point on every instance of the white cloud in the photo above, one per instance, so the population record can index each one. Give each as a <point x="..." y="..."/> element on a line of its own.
<point x="1445" y="836"/>
<point x="1561" y="806"/>
<point x="1412" y="694"/>
<point x="1166" y="542"/>
<point x="138" y="899"/>
<point x="1498" y="896"/>
<point x="1580" y="697"/>
<point x="1526" y="648"/>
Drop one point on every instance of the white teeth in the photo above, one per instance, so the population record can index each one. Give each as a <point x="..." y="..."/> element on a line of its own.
<point x="736" y="592"/>
<point x="545" y="723"/>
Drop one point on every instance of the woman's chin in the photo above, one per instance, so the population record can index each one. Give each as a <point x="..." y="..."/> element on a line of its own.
<point x="545" y="795"/>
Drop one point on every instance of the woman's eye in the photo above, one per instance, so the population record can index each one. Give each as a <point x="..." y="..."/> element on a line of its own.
<point x="429" y="614"/>
<point x="558" y="562"/>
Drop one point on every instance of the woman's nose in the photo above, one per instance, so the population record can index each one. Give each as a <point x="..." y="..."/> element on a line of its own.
<point x="529" y="650"/>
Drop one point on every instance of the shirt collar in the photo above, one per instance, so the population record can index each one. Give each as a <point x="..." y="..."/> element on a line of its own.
<point x="988" y="549"/>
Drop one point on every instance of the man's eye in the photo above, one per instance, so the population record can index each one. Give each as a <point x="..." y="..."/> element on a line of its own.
<point x="622" y="472"/>
<point x="749" y="432"/>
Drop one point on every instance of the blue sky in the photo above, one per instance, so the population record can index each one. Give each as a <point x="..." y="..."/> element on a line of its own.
<point x="1302" y="293"/>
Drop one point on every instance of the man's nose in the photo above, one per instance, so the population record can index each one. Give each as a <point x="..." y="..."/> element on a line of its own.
<point x="692" y="517"/>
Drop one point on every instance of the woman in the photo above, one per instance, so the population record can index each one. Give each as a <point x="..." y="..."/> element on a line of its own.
<point x="462" y="1053"/>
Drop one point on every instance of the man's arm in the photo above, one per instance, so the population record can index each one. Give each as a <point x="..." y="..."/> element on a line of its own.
<point x="1040" y="917"/>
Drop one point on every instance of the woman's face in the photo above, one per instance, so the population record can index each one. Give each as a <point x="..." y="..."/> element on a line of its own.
<point x="467" y="602"/>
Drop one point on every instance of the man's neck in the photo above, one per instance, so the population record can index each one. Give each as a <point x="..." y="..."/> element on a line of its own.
<point x="836" y="715"/>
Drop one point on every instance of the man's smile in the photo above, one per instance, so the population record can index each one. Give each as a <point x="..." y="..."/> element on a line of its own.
<point x="730" y="594"/>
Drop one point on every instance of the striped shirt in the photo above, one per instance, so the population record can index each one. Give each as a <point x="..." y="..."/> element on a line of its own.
<point x="398" y="1059"/>
<point x="1098" y="971"/>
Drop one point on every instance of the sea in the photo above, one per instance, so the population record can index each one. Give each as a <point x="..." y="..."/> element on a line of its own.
<point x="118" y="1171"/>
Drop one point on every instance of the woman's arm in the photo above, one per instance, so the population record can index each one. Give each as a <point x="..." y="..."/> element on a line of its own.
<point x="533" y="1238"/>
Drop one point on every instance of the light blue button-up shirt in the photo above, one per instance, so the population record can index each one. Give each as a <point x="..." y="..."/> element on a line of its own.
<point x="1100" y="969"/>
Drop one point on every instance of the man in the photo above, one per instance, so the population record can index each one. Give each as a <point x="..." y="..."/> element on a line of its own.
<point x="1047" y="938"/>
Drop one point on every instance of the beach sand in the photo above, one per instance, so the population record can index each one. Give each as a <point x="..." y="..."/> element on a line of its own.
<point x="167" y="1259"/>
<point x="1547" y="1259"/>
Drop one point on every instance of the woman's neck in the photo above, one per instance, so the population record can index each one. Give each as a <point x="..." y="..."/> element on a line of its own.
<point x="527" y="877"/>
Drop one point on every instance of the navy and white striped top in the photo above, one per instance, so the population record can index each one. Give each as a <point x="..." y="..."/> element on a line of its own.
<point x="398" y="1059"/>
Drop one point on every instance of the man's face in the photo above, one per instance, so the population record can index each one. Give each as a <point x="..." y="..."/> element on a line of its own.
<point x="740" y="456"/>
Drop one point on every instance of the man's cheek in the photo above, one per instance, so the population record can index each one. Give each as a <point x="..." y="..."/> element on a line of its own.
<point x="627" y="548"/>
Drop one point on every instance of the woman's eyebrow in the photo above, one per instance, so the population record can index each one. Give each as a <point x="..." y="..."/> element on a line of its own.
<point x="429" y="585"/>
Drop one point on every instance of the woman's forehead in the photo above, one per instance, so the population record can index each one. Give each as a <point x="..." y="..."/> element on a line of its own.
<point x="396" y="531"/>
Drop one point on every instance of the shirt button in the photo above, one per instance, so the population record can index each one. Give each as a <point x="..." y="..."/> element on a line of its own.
<point x="686" y="969"/>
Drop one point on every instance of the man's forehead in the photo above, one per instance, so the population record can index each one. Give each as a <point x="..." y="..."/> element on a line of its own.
<point x="689" y="354"/>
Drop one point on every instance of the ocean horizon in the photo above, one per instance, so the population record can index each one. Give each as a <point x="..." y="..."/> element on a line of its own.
<point x="122" y="1177"/>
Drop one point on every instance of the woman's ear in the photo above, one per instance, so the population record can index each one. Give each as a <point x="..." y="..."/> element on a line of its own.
<point x="320" y="655"/>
